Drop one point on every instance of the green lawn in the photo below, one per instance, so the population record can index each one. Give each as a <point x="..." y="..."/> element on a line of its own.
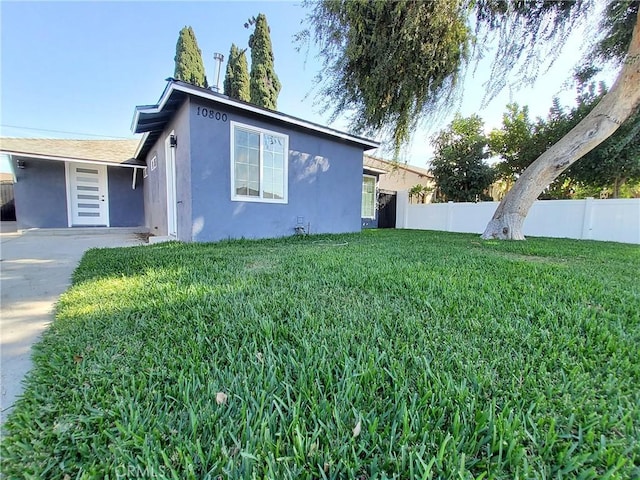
<point x="457" y="358"/>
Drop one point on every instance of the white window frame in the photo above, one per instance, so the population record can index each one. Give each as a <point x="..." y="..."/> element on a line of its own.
<point x="154" y="163"/>
<point x="375" y="188"/>
<point x="262" y="131"/>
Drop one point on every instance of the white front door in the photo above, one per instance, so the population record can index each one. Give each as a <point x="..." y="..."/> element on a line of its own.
<point x="87" y="195"/>
<point x="172" y="217"/>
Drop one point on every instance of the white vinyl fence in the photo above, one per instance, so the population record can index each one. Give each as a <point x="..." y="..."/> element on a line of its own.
<point x="616" y="220"/>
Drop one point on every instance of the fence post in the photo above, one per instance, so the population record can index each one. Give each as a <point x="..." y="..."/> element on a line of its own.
<point x="449" y="216"/>
<point x="402" y="209"/>
<point x="587" y="219"/>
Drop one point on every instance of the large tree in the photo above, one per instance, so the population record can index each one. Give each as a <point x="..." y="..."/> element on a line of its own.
<point x="458" y="165"/>
<point x="236" y="80"/>
<point x="607" y="168"/>
<point x="391" y="63"/>
<point x="264" y="83"/>
<point x="512" y="142"/>
<point x="188" y="59"/>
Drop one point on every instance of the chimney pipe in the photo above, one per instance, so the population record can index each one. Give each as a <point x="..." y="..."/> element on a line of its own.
<point x="218" y="58"/>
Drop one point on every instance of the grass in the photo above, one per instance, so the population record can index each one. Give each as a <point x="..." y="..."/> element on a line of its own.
<point x="454" y="358"/>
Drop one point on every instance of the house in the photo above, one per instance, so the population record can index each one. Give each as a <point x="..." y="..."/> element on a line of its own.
<point x="207" y="168"/>
<point x="219" y="168"/>
<point x="381" y="182"/>
<point x="371" y="195"/>
<point x="400" y="176"/>
<point x="75" y="183"/>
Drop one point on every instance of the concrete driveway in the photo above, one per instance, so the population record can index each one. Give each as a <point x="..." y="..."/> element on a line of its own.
<point x="35" y="268"/>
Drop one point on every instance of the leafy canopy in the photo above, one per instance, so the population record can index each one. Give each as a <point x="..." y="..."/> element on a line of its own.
<point x="608" y="167"/>
<point x="188" y="60"/>
<point x="264" y="84"/>
<point x="389" y="64"/>
<point x="458" y="165"/>
<point x="236" y="80"/>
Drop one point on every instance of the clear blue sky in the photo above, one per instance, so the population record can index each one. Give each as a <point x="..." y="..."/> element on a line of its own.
<point x="82" y="67"/>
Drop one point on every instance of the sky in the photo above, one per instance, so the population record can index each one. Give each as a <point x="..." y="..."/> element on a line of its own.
<point x="78" y="69"/>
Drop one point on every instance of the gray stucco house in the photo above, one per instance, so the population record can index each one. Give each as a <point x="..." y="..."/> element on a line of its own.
<point x="219" y="168"/>
<point x="63" y="183"/>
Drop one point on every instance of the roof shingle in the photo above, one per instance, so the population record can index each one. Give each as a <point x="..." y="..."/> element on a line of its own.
<point x="108" y="151"/>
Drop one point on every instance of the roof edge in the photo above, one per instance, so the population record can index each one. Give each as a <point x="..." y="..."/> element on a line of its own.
<point x="57" y="158"/>
<point x="176" y="85"/>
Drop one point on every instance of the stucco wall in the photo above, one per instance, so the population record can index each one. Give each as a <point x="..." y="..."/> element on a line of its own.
<point x="155" y="185"/>
<point x="40" y="194"/>
<point x="324" y="182"/>
<point x="126" y="205"/>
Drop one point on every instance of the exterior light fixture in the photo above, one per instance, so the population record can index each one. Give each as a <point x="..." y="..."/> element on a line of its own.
<point x="173" y="141"/>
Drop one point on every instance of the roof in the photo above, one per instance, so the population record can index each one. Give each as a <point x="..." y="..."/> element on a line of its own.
<point x="151" y="119"/>
<point x="374" y="162"/>
<point x="113" y="152"/>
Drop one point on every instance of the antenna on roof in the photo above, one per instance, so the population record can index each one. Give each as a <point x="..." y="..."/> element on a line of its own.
<point x="218" y="58"/>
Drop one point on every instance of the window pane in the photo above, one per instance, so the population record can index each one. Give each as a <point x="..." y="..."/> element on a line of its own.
<point x="253" y="173"/>
<point x="278" y="160"/>
<point x="267" y="157"/>
<point x="242" y="172"/>
<point x="253" y="157"/>
<point x="254" y="140"/>
<point x="241" y="155"/>
<point x="254" y="189"/>
<point x="278" y="188"/>
<point x="273" y="143"/>
<point x="241" y="137"/>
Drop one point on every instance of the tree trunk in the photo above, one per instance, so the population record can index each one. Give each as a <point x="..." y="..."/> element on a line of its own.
<point x="614" y="108"/>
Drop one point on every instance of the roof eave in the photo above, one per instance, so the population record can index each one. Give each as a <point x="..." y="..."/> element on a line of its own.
<point x="182" y="87"/>
<point x="57" y="158"/>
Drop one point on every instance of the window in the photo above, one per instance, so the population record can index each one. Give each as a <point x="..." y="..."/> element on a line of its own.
<point x="259" y="161"/>
<point x="154" y="163"/>
<point x="368" y="196"/>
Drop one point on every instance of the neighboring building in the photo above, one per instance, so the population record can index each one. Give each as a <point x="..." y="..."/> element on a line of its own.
<point x="220" y="168"/>
<point x="400" y="176"/>
<point x="370" y="195"/>
<point x="75" y="183"/>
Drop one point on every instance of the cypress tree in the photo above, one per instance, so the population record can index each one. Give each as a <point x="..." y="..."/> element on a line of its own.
<point x="189" y="66"/>
<point x="236" y="79"/>
<point x="264" y="83"/>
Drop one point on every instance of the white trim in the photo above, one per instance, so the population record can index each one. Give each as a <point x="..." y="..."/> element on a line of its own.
<point x="142" y="140"/>
<point x="69" y="159"/>
<point x="375" y="187"/>
<point x="261" y="131"/>
<point x="172" y="210"/>
<point x="249" y="108"/>
<point x="154" y="163"/>
<point x="375" y="170"/>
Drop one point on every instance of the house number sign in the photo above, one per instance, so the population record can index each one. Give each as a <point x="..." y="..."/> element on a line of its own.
<point x="210" y="113"/>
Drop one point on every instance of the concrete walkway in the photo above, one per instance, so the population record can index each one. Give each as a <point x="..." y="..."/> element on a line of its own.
<point x="35" y="268"/>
